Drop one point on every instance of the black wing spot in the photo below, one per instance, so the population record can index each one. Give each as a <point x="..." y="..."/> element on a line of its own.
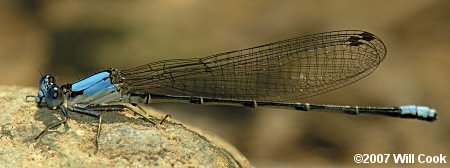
<point x="358" y="40"/>
<point x="367" y="36"/>
<point x="356" y="43"/>
<point x="353" y="39"/>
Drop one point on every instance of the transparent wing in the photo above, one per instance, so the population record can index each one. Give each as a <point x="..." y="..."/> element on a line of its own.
<point x="285" y="70"/>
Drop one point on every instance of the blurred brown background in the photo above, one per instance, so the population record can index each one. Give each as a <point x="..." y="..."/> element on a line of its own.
<point x="72" y="39"/>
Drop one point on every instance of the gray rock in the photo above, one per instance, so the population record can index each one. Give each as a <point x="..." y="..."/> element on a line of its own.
<point x="125" y="140"/>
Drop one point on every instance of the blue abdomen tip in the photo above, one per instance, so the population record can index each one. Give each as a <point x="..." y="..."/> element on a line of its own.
<point x="422" y="112"/>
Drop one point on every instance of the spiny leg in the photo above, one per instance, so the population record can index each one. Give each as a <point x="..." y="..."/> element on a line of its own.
<point x="142" y="109"/>
<point x="121" y="106"/>
<point x="63" y="121"/>
<point x="50" y="127"/>
<point x="164" y="119"/>
<point x="98" y="132"/>
<point x="131" y="107"/>
<point x="94" y="113"/>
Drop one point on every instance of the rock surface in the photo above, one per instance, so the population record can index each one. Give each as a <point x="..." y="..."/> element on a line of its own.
<point x="125" y="139"/>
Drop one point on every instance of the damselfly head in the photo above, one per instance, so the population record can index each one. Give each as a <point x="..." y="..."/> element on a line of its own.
<point x="49" y="93"/>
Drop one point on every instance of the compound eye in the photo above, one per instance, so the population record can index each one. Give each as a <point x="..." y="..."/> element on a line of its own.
<point x="46" y="80"/>
<point x="51" y="79"/>
<point x="54" y="97"/>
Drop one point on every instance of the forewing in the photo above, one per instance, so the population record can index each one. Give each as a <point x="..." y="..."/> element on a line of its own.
<point x="285" y="70"/>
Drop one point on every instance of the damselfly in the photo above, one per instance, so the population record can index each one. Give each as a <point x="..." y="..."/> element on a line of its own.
<point x="272" y="75"/>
